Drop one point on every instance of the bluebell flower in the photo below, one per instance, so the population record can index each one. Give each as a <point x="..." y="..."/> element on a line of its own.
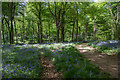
<point x="30" y="68"/>
<point x="2" y="75"/>
<point x="11" y="72"/>
<point x="20" y="68"/>
<point x="30" y="65"/>
<point x="77" y="61"/>
<point x="68" y="69"/>
<point x="74" y="76"/>
<point x="33" y="66"/>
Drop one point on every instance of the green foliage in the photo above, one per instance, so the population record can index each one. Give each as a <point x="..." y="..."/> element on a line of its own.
<point x="95" y="21"/>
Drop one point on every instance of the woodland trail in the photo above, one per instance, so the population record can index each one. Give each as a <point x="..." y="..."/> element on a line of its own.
<point x="48" y="68"/>
<point x="104" y="62"/>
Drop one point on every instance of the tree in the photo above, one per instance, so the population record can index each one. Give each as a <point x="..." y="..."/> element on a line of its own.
<point x="10" y="10"/>
<point x="58" y="18"/>
<point x="36" y="9"/>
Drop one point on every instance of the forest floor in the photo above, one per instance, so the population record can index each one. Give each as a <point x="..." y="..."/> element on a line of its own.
<point x="106" y="63"/>
<point x="25" y="55"/>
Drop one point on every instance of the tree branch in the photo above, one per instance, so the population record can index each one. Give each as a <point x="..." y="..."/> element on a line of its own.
<point x="50" y="10"/>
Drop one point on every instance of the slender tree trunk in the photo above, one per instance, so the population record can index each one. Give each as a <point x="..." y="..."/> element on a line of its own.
<point x="73" y="30"/>
<point x="117" y="20"/>
<point x="85" y="31"/>
<point x="62" y="30"/>
<point x="16" y="32"/>
<point x="62" y="33"/>
<point x="46" y="34"/>
<point x="41" y="35"/>
<point x="27" y="32"/>
<point x="23" y="27"/>
<point x="76" y="36"/>
<point x="9" y="31"/>
<point x="3" y="31"/>
<point x="38" y="33"/>
<point x="0" y="35"/>
<point x="33" y="32"/>
<point x="94" y="30"/>
<point x="113" y="33"/>
<point x="7" y="36"/>
<point x="40" y="25"/>
<point x="21" y="34"/>
<point x="57" y="40"/>
<point x="12" y="32"/>
<point x="79" y="30"/>
<point x="114" y="25"/>
<point x="77" y="27"/>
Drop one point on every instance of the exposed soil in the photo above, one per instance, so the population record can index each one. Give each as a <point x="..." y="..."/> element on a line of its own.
<point x="48" y="68"/>
<point x="106" y="63"/>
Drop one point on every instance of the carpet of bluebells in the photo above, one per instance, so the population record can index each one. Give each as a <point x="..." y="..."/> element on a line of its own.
<point x="71" y="63"/>
<point x="108" y="47"/>
<point x="20" y="61"/>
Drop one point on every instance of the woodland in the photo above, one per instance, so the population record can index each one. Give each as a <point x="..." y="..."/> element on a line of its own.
<point x="60" y="39"/>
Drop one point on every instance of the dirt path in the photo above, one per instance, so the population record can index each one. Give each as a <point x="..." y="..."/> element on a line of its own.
<point x="48" y="69"/>
<point x="106" y="63"/>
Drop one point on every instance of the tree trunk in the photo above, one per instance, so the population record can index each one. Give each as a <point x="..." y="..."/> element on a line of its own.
<point x="46" y="34"/>
<point x="41" y="35"/>
<point x="114" y="25"/>
<point x="85" y="31"/>
<point x="23" y="27"/>
<point x="16" y="32"/>
<point x="62" y="31"/>
<point x="94" y="30"/>
<point x="12" y="33"/>
<point x="3" y="31"/>
<point x="33" y="32"/>
<point x="7" y="36"/>
<point x="21" y="34"/>
<point x="117" y="20"/>
<point x="38" y="33"/>
<point x="9" y="31"/>
<point x="76" y="27"/>
<point x="79" y="30"/>
<point x="57" y="39"/>
<point x="27" y="31"/>
<point x="73" y="30"/>
<point x="58" y="19"/>
<point x="40" y="21"/>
